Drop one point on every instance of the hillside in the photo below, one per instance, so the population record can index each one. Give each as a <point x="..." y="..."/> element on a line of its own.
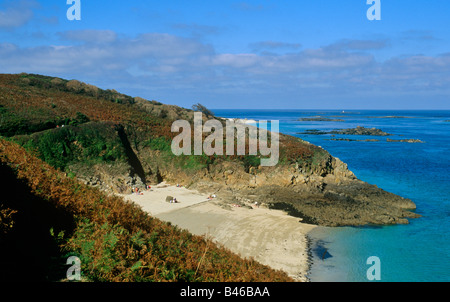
<point x="54" y="217"/>
<point x="116" y="142"/>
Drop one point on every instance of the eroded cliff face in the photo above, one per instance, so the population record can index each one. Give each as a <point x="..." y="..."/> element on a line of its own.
<point x="327" y="194"/>
<point x="323" y="192"/>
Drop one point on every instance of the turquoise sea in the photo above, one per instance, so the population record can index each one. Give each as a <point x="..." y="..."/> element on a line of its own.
<point x="417" y="252"/>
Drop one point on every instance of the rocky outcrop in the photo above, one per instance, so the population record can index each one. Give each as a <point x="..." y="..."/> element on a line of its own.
<point x="361" y="131"/>
<point x="330" y="195"/>
<point x="321" y="190"/>
<point x="351" y="131"/>
<point x="118" y="178"/>
<point x="404" y="140"/>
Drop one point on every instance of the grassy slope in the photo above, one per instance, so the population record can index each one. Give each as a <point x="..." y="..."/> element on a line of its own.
<point x="33" y="103"/>
<point x="115" y="240"/>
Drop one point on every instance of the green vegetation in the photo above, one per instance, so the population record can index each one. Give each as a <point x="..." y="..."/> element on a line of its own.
<point x="57" y="84"/>
<point x="31" y="104"/>
<point x="200" y="108"/>
<point x="251" y="161"/>
<point x="67" y="124"/>
<point x="17" y="123"/>
<point x="92" y="142"/>
<point x="158" y="143"/>
<point x="114" y="239"/>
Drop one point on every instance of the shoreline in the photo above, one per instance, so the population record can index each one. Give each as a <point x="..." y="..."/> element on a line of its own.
<point x="324" y="256"/>
<point x="271" y="237"/>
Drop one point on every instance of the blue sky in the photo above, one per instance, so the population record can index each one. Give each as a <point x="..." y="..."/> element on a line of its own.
<point x="316" y="54"/>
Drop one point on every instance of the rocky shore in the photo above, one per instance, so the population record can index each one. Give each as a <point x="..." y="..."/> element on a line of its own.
<point x="324" y="192"/>
<point x="328" y="196"/>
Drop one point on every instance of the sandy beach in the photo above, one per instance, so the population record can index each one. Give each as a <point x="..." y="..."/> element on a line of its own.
<point x="271" y="237"/>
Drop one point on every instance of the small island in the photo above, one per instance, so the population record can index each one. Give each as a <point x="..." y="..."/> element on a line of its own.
<point x="361" y="131"/>
<point x="404" y="140"/>
<point x="313" y="132"/>
<point x="358" y="131"/>
<point x="350" y="131"/>
<point x="353" y="140"/>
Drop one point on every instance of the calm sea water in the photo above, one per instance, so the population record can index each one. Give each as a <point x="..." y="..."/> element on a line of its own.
<point x="419" y="251"/>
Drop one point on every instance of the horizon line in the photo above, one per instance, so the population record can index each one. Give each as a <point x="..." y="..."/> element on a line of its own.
<point x="285" y="109"/>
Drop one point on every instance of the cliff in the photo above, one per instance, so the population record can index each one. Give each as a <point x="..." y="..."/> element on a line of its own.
<point x="328" y="194"/>
<point x="116" y="142"/>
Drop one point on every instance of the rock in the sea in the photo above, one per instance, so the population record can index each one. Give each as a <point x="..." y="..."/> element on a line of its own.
<point x="353" y="140"/>
<point x="361" y="131"/>
<point x="405" y="140"/>
<point x="313" y="132"/>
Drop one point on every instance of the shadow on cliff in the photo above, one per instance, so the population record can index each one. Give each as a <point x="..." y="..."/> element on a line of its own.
<point x="132" y="158"/>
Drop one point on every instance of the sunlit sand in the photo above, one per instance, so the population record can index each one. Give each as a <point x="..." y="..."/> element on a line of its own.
<point x="269" y="236"/>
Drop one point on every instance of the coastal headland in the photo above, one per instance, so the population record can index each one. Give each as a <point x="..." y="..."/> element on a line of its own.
<point x="118" y="143"/>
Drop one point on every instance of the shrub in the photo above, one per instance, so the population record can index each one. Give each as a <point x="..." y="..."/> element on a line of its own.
<point x="87" y="143"/>
<point x="251" y="161"/>
<point x="199" y="107"/>
<point x="158" y="143"/>
<point x="79" y="119"/>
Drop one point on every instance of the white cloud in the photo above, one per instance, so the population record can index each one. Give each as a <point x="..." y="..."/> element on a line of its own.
<point x="89" y="36"/>
<point x="273" y="45"/>
<point x="347" y="44"/>
<point x="16" y="13"/>
<point x="165" y="65"/>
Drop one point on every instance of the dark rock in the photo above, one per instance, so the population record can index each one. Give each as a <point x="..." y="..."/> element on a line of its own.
<point x="405" y="140"/>
<point x="353" y="140"/>
<point x="361" y="131"/>
<point x="313" y="132"/>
